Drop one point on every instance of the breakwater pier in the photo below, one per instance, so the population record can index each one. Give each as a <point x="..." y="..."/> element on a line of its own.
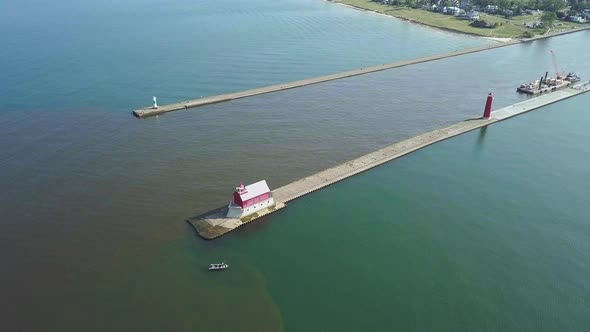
<point x="213" y="224"/>
<point x="184" y="105"/>
<point x="152" y="111"/>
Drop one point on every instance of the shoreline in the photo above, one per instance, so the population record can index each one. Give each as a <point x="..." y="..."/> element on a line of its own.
<point x="409" y="20"/>
<point x="447" y="29"/>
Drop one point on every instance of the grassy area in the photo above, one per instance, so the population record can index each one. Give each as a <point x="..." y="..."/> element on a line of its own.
<point x="507" y="28"/>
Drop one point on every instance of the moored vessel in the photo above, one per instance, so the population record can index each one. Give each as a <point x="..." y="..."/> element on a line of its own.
<point x="548" y="84"/>
<point x="572" y="77"/>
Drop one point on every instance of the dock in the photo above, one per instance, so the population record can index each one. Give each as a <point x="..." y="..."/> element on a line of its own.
<point x="184" y="105"/>
<point x="212" y="224"/>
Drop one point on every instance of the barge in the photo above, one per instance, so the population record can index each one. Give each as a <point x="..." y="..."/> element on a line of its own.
<point x="548" y="84"/>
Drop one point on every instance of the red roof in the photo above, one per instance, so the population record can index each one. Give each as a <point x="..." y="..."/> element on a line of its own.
<point x="252" y="190"/>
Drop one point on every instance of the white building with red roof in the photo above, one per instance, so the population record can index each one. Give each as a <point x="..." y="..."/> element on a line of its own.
<point x="249" y="199"/>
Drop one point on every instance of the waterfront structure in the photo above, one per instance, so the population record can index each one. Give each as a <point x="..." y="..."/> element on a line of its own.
<point x="150" y="111"/>
<point x="249" y="199"/>
<point x="487" y="112"/>
<point x="216" y="223"/>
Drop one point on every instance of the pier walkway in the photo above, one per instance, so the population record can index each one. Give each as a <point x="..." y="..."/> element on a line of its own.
<point x="212" y="225"/>
<point x="150" y="111"/>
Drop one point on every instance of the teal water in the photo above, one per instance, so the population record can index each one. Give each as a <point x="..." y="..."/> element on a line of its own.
<point x="93" y="201"/>
<point x="486" y="231"/>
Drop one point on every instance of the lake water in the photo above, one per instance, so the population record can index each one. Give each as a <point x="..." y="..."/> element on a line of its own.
<point x="484" y="231"/>
<point x="115" y="55"/>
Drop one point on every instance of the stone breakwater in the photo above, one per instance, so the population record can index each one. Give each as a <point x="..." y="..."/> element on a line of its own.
<point x="150" y="111"/>
<point x="213" y="224"/>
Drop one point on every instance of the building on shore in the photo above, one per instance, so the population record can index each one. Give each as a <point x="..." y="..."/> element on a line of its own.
<point x="491" y="9"/>
<point x="473" y="15"/>
<point x="250" y="199"/>
<point x="577" y="19"/>
<point x="452" y="11"/>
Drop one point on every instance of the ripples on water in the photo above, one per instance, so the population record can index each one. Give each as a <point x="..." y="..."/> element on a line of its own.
<point x="117" y="55"/>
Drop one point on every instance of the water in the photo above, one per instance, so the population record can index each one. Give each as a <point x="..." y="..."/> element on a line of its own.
<point x="116" y="55"/>
<point x="487" y="231"/>
<point x="93" y="200"/>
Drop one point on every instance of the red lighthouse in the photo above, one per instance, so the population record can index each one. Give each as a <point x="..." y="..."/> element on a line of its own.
<point x="487" y="112"/>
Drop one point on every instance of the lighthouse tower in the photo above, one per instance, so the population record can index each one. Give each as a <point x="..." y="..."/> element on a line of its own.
<point x="487" y="112"/>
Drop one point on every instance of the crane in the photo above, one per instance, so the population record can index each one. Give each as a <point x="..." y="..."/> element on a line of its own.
<point x="554" y="60"/>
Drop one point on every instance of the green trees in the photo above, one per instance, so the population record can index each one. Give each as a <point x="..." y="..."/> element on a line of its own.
<point x="528" y="34"/>
<point x="579" y="5"/>
<point x="503" y="4"/>
<point x="547" y="5"/>
<point x="515" y="5"/>
<point x="553" y="5"/>
<point x="548" y="18"/>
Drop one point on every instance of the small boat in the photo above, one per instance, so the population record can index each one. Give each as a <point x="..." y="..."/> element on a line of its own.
<point x="572" y="77"/>
<point x="219" y="266"/>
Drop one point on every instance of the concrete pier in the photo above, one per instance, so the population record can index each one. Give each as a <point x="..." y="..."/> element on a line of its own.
<point x="214" y="224"/>
<point x="211" y="225"/>
<point x="152" y="111"/>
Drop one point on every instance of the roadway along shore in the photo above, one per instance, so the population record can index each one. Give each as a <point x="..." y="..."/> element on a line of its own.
<point x="150" y="111"/>
<point x="214" y="224"/>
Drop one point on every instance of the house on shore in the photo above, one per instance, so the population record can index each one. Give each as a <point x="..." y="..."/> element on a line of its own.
<point x="533" y="25"/>
<point x="577" y="19"/>
<point x="492" y="9"/>
<point x="452" y="10"/>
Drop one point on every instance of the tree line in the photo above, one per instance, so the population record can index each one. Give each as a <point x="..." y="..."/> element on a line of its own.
<point x="515" y="5"/>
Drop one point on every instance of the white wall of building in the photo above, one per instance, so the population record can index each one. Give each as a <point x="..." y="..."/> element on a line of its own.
<point x="235" y="211"/>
